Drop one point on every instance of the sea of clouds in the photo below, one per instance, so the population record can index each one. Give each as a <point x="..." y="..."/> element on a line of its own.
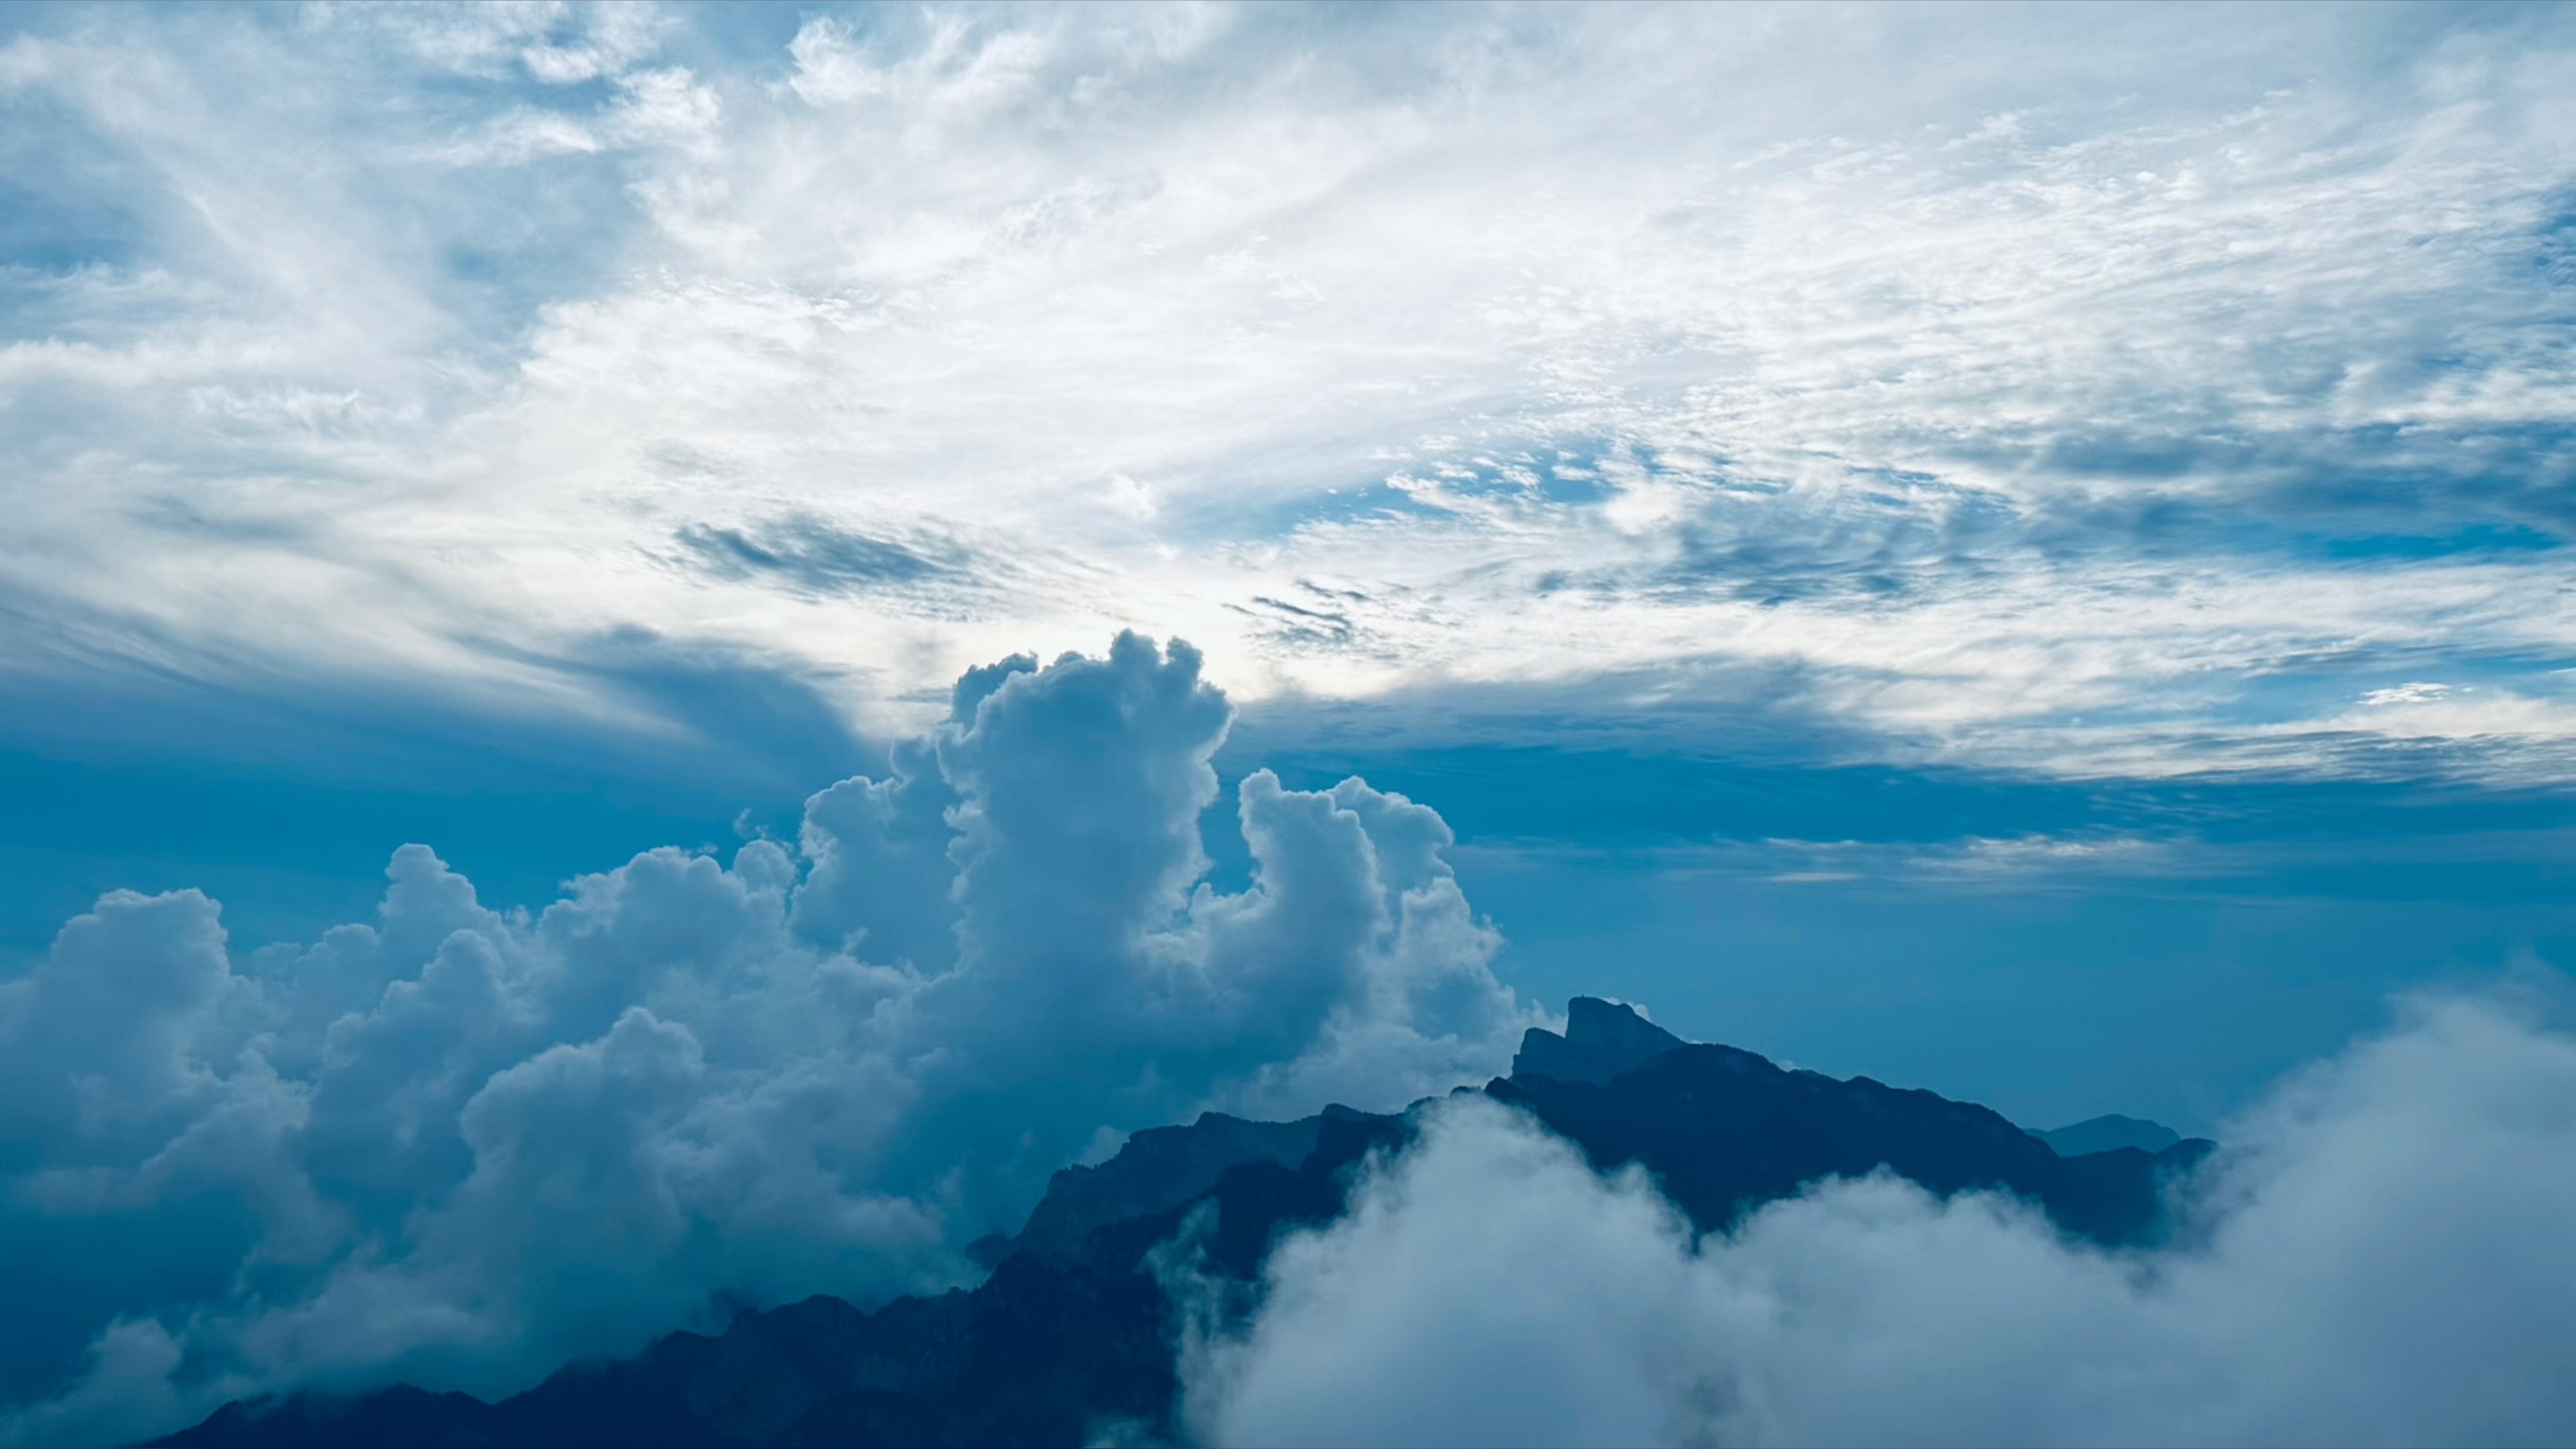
<point x="2383" y="1255"/>
<point x="460" y="1147"/>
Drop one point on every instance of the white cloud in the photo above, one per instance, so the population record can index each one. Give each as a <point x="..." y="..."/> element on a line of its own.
<point x="2418" y="693"/>
<point x="555" y="42"/>
<point x="2003" y="401"/>
<point x="461" y="1147"/>
<point x="2378" y="1257"/>
<point x="1965" y="863"/>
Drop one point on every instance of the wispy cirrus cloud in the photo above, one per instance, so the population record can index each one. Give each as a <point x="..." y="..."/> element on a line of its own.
<point x="2102" y="392"/>
<point x="812" y="556"/>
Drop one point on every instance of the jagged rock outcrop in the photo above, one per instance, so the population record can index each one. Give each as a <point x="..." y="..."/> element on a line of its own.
<point x="1602" y="1039"/>
<point x="1724" y="1131"/>
<point x="1155" y="1170"/>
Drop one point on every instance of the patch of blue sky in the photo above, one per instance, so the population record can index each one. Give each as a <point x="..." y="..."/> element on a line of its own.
<point x="1217" y="515"/>
<point x="2471" y="540"/>
<point x="1602" y="799"/>
<point x="1560" y="477"/>
<point x="1553" y="477"/>
<point x="409" y="164"/>
<point x="1892" y="532"/>
<point x="2052" y="1000"/>
<point x="550" y="235"/>
<point x="2059" y="948"/>
<point x="2363" y="497"/>
<point x="1642" y="799"/>
<point x="2316" y="460"/>
<point x="2362" y="677"/>
<point x="1573" y="473"/>
<point x="2017" y="923"/>
<point x="2553" y="249"/>
<point x="45" y="233"/>
<point x="286" y="809"/>
<point x="2184" y="531"/>
<point x="70" y="208"/>
<point x="718" y="35"/>
<point x="2496" y="462"/>
<point x="2027" y="939"/>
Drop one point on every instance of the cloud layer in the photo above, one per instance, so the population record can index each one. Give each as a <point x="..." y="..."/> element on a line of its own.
<point x="460" y="1147"/>
<point x="2104" y="391"/>
<point x="2381" y="1257"/>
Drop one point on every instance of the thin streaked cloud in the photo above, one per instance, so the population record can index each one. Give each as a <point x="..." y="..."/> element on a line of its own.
<point x="2096" y="391"/>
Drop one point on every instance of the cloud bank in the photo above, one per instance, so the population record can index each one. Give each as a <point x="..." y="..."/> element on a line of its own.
<point x="2382" y="1256"/>
<point x="2101" y="391"/>
<point x="461" y="1147"/>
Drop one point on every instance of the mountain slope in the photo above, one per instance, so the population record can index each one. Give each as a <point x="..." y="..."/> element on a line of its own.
<point x="1724" y="1131"/>
<point x="1070" y="1340"/>
<point x="2109" y="1133"/>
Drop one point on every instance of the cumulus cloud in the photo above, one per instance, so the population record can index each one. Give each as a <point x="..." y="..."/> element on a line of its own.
<point x="461" y="1146"/>
<point x="2380" y="1256"/>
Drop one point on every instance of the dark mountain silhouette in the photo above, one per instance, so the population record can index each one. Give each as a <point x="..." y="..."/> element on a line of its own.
<point x="1158" y="1169"/>
<point x="1724" y="1131"/>
<point x="2109" y="1133"/>
<point x="1070" y="1340"/>
<point x="1602" y="1039"/>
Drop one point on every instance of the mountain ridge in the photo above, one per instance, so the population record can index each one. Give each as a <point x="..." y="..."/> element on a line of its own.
<point x="2107" y="1133"/>
<point x="1070" y="1337"/>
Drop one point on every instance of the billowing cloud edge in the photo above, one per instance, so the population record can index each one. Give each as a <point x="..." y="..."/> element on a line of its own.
<point x="2380" y="1255"/>
<point x="460" y="1147"/>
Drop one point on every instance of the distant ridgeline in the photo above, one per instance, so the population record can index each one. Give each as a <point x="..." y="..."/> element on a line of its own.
<point x="1073" y="1334"/>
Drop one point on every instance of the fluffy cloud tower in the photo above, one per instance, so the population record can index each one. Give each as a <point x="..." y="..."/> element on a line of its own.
<point x="461" y="1146"/>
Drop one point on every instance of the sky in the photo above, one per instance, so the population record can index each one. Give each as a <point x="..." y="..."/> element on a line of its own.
<point x="2017" y="550"/>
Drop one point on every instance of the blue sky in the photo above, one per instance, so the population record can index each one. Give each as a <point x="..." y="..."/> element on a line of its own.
<point x="1958" y="458"/>
<point x="2016" y="550"/>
